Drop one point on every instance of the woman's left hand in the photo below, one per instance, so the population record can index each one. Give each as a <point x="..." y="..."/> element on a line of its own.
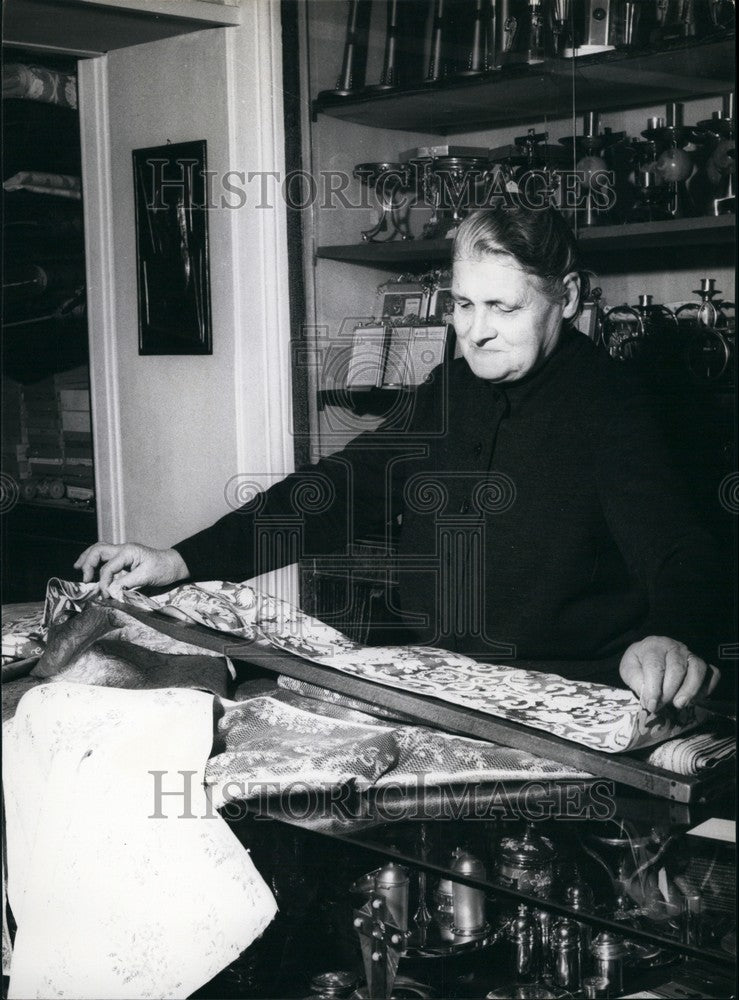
<point x="663" y="671"/>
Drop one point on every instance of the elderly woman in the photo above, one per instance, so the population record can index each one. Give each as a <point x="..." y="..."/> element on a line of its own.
<point x="540" y="518"/>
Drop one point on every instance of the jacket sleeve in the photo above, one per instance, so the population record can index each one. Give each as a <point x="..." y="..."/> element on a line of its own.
<point x="317" y="510"/>
<point x="659" y="530"/>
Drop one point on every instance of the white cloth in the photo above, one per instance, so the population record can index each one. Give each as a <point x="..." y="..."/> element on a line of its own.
<point x="110" y="901"/>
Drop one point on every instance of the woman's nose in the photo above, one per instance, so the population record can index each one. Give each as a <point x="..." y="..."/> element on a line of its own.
<point x="481" y="328"/>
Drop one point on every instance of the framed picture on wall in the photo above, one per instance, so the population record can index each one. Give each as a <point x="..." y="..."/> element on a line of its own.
<point x="172" y="259"/>
<point x="402" y="300"/>
<point x="441" y="303"/>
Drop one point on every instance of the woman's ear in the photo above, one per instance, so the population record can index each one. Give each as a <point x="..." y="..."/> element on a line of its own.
<point x="571" y="297"/>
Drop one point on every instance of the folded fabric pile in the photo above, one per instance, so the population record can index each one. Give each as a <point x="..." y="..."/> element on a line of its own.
<point x="42" y="182"/>
<point x="269" y="743"/>
<point x="31" y="82"/>
<point x="79" y="639"/>
<point x="23" y="634"/>
<point x="695" y="753"/>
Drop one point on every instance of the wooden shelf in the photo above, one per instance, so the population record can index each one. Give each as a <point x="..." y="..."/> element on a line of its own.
<point x="600" y="242"/>
<point x="397" y="253"/>
<point x="532" y="93"/>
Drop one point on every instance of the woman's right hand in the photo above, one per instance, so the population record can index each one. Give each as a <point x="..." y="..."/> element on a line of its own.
<point x="131" y="565"/>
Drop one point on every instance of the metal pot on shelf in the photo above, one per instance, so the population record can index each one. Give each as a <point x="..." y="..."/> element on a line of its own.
<point x="526" y="862"/>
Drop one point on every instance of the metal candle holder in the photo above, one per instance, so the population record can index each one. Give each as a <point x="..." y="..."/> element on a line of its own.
<point x="389" y="77"/>
<point x="720" y="130"/>
<point x="526" y="36"/>
<point x="674" y="166"/>
<point x="632" y="333"/>
<point x="482" y="54"/>
<point x="388" y="181"/>
<point x="709" y="333"/>
<point x="436" y="54"/>
<point x="443" y="181"/>
<point x="675" y="20"/>
<point x="589" y="148"/>
<point x="354" y="62"/>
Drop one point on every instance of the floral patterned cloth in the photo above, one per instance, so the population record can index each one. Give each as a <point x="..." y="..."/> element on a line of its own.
<point x="38" y="83"/>
<point x="80" y="877"/>
<point x="594" y="715"/>
<point x="302" y="732"/>
<point x="23" y="632"/>
<point x="270" y="743"/>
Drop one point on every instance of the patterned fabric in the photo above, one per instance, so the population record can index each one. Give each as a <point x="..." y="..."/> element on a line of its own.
<point x="37" y="83"/>
<point x="268" y="741"/>
<point x="272" y="743"/>
<point x="23" y="632"/>
<point x="300" y="732"/>
<point x="594" y="715"/>
<point x="80" y="877"/>
<point x="64" y="598"/>
<point x="61" y="185"/>
<point x="694" y="753"/>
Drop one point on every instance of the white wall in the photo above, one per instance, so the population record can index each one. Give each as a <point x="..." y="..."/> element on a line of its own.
<point x="171" y="432"/>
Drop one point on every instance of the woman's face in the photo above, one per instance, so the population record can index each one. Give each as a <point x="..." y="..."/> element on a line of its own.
<point x="506" y="324"/>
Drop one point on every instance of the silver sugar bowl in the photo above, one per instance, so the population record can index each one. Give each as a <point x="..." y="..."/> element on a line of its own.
<point x="527" y="863"/>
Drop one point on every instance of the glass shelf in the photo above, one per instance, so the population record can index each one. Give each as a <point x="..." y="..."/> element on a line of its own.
<point x="639" y="862"/>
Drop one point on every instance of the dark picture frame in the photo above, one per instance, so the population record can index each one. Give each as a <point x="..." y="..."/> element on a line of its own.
<point x="441" y="303"/>
<point x="399" y="300"/>
<point x="172" y="252"/>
